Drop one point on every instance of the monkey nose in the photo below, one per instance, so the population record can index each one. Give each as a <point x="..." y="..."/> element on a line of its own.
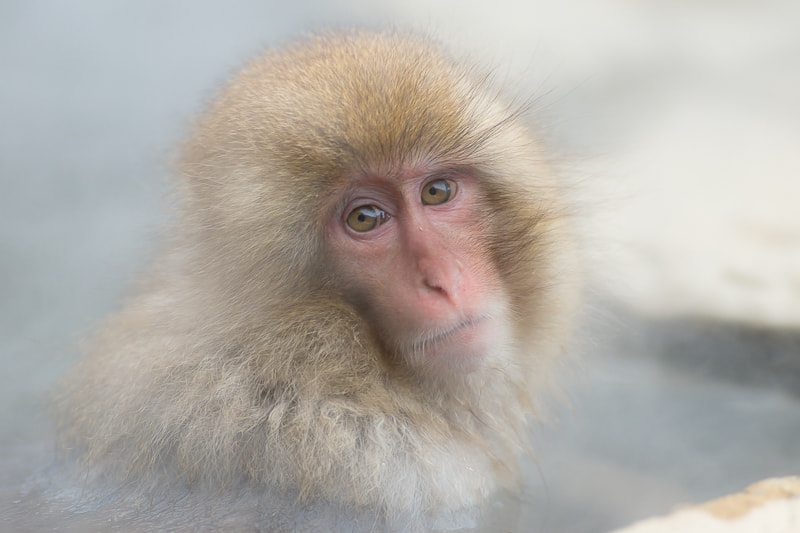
<point x="442" y="276"/>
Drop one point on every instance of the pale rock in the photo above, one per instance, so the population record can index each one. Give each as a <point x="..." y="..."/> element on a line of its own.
<point x="769" y="506"/>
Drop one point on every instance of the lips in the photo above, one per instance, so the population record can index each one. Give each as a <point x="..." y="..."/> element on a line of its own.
<point x="461" y="326"/>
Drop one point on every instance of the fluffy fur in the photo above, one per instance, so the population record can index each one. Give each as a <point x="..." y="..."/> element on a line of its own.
<point x="239" y="358"/>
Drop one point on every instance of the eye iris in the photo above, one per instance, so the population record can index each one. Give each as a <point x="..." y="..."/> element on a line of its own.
<point x="438" y="192"/>
<point x="365" y="218"/>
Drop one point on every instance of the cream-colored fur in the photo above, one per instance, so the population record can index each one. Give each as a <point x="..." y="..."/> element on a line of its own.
<point x="239" y="358"/>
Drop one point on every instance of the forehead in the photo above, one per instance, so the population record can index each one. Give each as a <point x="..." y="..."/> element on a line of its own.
<point x="361" y="101"/>
<point x="335" y="109"/>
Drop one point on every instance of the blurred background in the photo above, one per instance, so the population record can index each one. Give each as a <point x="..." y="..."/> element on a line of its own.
<point x="678" y="124"/>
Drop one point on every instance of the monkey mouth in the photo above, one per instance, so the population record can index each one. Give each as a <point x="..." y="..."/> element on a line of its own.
<point x="441" y="337"/>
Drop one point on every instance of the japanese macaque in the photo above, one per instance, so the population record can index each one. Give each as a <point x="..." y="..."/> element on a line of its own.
<point x="367" y="286"/>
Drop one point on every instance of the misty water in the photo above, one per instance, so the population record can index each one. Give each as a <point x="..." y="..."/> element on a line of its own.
<point x="688" y="382"/>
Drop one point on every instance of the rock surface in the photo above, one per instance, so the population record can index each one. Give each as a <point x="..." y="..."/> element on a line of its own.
<point x="772" y="506"/>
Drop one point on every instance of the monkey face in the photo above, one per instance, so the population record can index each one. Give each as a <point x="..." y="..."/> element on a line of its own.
<point x="409" y="247"/>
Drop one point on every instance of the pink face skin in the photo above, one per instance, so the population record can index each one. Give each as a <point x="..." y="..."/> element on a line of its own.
<point x="418" y="258"/>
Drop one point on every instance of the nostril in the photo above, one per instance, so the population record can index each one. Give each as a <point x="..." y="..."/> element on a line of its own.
<point x="436" y="286"/>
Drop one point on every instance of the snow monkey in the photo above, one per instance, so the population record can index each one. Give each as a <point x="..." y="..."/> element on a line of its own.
<point x="366" y="286"/>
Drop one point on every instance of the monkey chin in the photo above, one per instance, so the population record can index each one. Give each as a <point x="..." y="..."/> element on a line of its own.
<point x="463" y="348"/>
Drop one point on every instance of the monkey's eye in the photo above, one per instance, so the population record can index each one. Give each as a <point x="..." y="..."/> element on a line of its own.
<point x="438" y="191"/>
<point x="366" y="218"/>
